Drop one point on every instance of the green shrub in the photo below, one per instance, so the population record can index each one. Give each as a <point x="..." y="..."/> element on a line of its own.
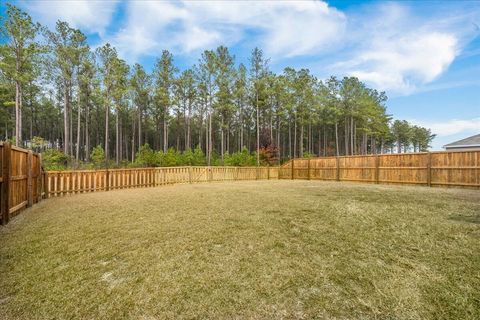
<point x="240" y="159"/>
<point x="198" y="157"/>
<point x="38" y="143"/>
<point x="308" y="155"/>
<point x="146" y="157"/>
<point x="97" y="157"/>
<point x="172" y="158"/>
<point x="53" y="159"/>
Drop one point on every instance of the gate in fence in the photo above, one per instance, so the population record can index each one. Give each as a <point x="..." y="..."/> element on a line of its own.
<point x="21" y="180"/>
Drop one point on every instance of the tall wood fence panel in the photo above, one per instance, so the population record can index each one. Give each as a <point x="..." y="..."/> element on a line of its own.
<point x="455" y="168"/>
<point x="459" y="168"/>
<point x="60" y="183"/>
<point x="21" y="180"/>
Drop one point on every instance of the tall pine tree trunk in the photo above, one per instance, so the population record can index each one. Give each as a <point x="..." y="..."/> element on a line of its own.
<point x="336" y="139"/>
<point x="352" y="135"/>
<point x="121" y="138"/>
<point x="228" y="138"/>
<point x="209" y="139"/>
<point x="107" y="113"/>
<point x="279" y="155"/>
<point x="222" y="142"/>
<point x="319" y="141"/>
<point x="139" y="127"/>
<point x="117" y="138"/>
<point x="165" y="137"/>
<point x="289" y="140"/>
<point x="18" y="113"/>
<point x="79" y="113"/>
<point x="295" y="138"/>
<point x="324" y="141"/>
<point x="241" y="127"/>
<point x="189" y="133"/>
<point x="258" y="131"/>
<point x="66" y="120"/>
<point x="133" y="139"/>
<point x="71" y="126"/>
<point x="271" y="130"/>
<point x="300" y="148"/>
<point x="87" y="133"/>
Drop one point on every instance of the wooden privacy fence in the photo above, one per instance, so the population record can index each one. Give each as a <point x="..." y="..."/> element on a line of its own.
<point x="21" y="182"/>
<point x="59" y="183"/>
<point x="458" y="168"/>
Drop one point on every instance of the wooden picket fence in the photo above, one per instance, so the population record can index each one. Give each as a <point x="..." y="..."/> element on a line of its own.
<point x="21" y="180"/>
<point x="457" y="168"/>
<point x="60" y="183"/>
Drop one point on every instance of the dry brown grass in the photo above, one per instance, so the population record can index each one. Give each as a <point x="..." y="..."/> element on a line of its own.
<point x="267" y="249"/>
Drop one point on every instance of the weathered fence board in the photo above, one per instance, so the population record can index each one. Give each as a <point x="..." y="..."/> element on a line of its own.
<point x="458" y="168"/>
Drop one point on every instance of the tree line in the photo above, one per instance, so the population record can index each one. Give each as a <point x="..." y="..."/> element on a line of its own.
<point x="58" y="93"/>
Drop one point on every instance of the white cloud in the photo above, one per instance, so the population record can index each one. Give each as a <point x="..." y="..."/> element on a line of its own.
<point x="450" y="130"/>
<point x="89" y="16"/>
<point x="405" y="61"/>
<point x="284" y="28"/>
<point x="304" y="28"/>
<point x="395" y="51"/>
<point x="451" y="127"/>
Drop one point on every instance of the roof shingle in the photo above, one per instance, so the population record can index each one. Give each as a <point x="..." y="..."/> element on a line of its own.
<point x="473" y="140"/>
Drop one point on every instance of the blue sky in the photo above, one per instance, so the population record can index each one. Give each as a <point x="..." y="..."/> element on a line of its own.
<point x="424" y="54"/>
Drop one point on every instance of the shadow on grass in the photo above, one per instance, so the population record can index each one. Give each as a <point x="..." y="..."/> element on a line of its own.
<point x="468" y="219"/>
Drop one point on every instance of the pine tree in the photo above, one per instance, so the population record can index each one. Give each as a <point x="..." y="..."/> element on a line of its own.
<point x="18" y="56"/>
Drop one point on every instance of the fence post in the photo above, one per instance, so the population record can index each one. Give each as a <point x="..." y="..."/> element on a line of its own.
<point x="309" y="174"/>
<point x="107" y="182"/>
<point x="29" y="179"/>
<point x="429" y="169"/>
<point x="190" y="174"/>
<point x="338" y="168"/>
<point x="6" y="173"/>
<point x="293" y="164"/>
<point x="377" y="169"/>
<point x="268" y="173"/>
<point x="46" y="185"/>
<point x="39" y="177"/>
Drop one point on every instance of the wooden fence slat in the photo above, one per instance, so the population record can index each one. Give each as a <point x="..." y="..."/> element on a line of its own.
<point x="29" y="179"/>
<point x="337" y="168"/>
<point x="5" y="191"/>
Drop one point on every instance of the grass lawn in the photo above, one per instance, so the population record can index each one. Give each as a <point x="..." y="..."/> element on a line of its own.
<point x="261" y="250"/>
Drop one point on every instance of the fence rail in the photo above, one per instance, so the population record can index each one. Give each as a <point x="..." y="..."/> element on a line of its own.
<point x="457" y="168"/>
<point x="59" y="183"/>
<point x="21" y="181"/>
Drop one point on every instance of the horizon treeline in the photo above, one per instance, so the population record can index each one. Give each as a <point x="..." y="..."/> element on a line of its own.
<point x="58" y="93"/>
